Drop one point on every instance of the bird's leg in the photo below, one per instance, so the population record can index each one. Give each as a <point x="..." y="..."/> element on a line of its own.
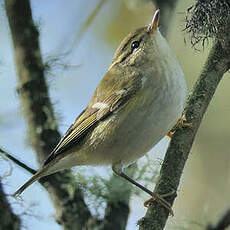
<point x="147" y="202"/>
<point x="117" y="169"/>
<point x="181" y="123"/>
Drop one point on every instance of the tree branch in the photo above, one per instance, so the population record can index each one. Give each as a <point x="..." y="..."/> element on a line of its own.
<point x="17" y="162"/>
<point x="117" y="211"/>
<point x="34" y="107"/>
<point x="8" y="219"/>
<point x="67" y="197"/>
<point x="217" y="64"/>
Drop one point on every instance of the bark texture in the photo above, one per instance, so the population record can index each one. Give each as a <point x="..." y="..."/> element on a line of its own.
<point x="217" y="64"/>
<point x="8" y="220"/>
<point x="72" y="212"/>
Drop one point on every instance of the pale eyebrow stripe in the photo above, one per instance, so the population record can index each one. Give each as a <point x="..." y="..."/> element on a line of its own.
<point x="131" y="51"/>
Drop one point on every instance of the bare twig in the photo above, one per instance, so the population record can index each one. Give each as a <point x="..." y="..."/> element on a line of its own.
<point x="73" y="213"/>
<point x="17" y="162"/>
<point x="83" y="27"/>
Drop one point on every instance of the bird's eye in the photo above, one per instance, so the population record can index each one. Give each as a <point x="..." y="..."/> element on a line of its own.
<point x="135" y="45"/>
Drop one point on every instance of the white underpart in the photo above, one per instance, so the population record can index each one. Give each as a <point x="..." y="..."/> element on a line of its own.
<point x="100" y="105"/>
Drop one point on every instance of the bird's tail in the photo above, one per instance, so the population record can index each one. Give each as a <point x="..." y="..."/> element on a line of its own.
<point x="34" y="178"/>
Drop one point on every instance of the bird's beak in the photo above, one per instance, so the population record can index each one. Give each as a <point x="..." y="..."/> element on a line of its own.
<point x="154" y="23"/>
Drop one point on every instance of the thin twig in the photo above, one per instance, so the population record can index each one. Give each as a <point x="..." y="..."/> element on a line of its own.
<point x="17" y="162"/>
<point x="72" y="211"/>
<point x="82" y="29"/>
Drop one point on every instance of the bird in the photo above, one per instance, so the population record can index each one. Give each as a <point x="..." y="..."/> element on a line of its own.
<point x="134" y="106"/>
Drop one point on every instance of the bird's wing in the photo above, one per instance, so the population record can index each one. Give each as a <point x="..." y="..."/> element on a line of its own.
<point x="96" y="111"/>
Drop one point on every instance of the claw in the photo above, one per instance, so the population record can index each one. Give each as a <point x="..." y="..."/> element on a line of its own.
<point x="181" y="123"/>
<point x="161" y="200"/>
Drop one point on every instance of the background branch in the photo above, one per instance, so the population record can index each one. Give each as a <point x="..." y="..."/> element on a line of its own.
<point x="44" y="132"/>
<point x="72" y="212"/>
<point x="17" y="162"/>
<point x="116" y="211"/>
<point x="71" y="209"/>
<point x="8" y="219"/>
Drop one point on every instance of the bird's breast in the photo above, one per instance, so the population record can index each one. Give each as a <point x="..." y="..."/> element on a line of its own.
<point x="134" y="129"/>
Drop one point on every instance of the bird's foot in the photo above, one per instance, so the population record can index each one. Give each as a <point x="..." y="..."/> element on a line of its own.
<point x="181" y="123"/>
<point x="161" y="200"/>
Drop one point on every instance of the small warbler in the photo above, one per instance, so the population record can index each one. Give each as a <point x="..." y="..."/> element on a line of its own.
<point x="136" y="103"/>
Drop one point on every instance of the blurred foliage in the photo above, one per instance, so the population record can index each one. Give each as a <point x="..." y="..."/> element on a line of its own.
<point x="135" y="4"/>
<point x="98" y="190"/>
<point x="85" y="25"/>
<point x="127" y="18"/>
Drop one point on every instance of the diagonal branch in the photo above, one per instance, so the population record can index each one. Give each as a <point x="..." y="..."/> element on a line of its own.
<point x="8" y="220"/>
<point x="84" y="26"/>
<point x="38" y="112"/>
<point x="17" y="162"/>
<point x="217" y="64"/>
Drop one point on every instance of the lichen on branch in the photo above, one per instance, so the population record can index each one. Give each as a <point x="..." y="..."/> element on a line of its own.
<point x="208" y="19"/>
